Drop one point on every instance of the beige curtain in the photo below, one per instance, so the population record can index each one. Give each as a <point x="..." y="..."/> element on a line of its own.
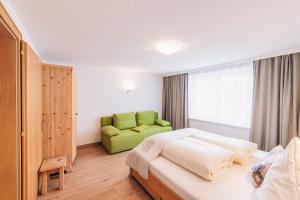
<point x="175" y="95"/>
<point x="276" y="101"/>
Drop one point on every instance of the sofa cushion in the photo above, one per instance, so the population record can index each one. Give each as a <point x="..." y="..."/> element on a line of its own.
<point x="162" y="122"/>
<point x="155" y="129"/>
<point x="124" y="120"/>
<point x="110" y="130"/>
<point x="146" y="118"/>
<point x="140" y="128"/>
<point x="106" y="120"/>
<point x="127" y="139"/>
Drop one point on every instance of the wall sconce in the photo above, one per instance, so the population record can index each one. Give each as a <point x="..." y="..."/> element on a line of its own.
<point x="128" y="86"/>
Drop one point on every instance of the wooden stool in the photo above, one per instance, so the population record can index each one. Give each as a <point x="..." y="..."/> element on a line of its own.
<point x="58" y="163"/>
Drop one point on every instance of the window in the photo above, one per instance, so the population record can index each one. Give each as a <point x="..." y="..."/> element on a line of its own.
<point x="222" y="95"/>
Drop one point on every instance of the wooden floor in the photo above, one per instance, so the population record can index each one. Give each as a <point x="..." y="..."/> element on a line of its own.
<point x="97" y="175"/>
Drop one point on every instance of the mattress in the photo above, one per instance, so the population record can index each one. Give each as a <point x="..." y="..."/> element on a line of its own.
<point x="234" y="184"/>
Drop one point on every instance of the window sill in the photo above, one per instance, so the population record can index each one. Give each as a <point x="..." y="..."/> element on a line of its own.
<point x="220" y="124"/>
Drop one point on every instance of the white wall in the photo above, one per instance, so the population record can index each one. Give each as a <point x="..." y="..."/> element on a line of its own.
<point x="18" y="23"/>
<point x="221" y="129"/>
<point x="102" y="92"/>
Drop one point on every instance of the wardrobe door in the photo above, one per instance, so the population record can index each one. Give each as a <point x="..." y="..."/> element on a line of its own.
<point x="32" y="152"/>
<point x="57" y="113"/>
<point x="10" y="119"/>
<point x="74" y="118"/>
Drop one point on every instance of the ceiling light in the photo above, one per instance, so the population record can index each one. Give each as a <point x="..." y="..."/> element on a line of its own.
<point x="168" y="47"/>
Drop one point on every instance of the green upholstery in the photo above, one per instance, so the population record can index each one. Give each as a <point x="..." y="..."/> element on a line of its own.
<point x="127" y="139"/>
<point x="140" y="128"/>
<point x="107" y="120"/>
<point x="146" y="117"/>
<point x="155" y="129"/>
<point x="162" y="122"/>
<point x="124" y="120"/>
<point x="156" y="115"/>
<point x="110" y="130"/>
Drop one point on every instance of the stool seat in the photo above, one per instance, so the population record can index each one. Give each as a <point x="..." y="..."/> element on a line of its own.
<point x="53" y="163"/>
<point x="58" y="163"/>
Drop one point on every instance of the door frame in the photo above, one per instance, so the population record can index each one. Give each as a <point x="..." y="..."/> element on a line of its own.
<point x="8" y="23"/>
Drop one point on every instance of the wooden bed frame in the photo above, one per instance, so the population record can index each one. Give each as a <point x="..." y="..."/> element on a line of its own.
<point x="155" y="187"/>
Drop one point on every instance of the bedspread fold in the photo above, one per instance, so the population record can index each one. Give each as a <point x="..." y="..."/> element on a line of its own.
<point x="140" y="157"/>
<point x="199" y="151"/>
<point x="242" y="149"/>
<point x="201" y="158"/>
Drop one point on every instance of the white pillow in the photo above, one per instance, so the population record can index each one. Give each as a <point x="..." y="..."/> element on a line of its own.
<point x="273" y="155"/>
<point x="260" y="170"/>
<point x="282" y="181"/>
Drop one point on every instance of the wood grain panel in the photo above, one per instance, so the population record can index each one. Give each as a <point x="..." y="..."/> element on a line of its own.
<point x="58" y="113"/>
<point x="10" y="108"/>
<point x="74" y="118"/>
<point x="9" y="119"/>
<point x="32" y="121"/>
<point x="155" y="187"/>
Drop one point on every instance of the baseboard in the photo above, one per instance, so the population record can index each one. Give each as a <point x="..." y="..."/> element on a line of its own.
<point x="88" y="145"/>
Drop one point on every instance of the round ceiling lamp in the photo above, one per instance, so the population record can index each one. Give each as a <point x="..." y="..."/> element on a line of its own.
<point x="168" y="47"/>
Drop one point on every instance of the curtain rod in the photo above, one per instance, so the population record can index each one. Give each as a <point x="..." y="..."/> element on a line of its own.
<point x="269" y="55"/>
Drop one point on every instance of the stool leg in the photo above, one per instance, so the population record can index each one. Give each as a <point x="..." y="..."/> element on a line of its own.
<point x="61" y="178"/>
<point x="44" y="182"/>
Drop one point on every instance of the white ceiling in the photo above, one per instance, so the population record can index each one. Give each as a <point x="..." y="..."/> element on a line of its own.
<point x="122" y="33"/>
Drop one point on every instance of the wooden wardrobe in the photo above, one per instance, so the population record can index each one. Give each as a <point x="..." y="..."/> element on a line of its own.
<point x="32" y="139"/>
<point x="20" y="114"/>
<point x="33" y="98"/>
<point x="59" y="114"/>
<point x="10" y="108"/>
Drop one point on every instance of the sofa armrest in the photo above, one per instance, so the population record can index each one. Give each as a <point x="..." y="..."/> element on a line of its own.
<point x="162" y="122"/>
<point x="110" y="130"/>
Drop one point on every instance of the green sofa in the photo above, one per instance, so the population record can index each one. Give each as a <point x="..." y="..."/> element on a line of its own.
<point x="125" y="131"/>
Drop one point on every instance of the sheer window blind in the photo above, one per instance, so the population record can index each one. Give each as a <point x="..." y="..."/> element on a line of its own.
<point x="222" y="95"/>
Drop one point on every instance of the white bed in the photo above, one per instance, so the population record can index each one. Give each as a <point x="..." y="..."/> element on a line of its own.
<point x="234" y="184"/>
<point x="180" y="164"/>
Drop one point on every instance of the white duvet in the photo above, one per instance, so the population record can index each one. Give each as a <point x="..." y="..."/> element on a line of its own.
<point x="140" y="157"/>
<point x="241" y="149"/>
<point x="198" y="151"/>
<point x="204" y="159"/>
